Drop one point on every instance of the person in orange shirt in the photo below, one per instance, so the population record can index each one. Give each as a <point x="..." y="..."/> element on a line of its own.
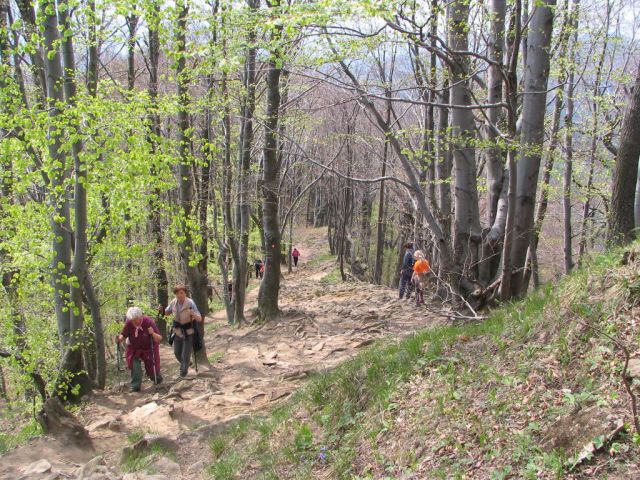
<point x="419" y="278"/>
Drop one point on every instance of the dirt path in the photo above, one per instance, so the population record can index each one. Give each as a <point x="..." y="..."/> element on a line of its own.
<point x="324" y="322"/>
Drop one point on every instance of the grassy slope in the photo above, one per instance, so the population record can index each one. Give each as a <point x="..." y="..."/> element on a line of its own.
<point x="493" y="400"/>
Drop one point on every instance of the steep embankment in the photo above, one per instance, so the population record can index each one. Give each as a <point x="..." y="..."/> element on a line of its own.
<point x="535" y="391"/>
<point x="324" y="323"/>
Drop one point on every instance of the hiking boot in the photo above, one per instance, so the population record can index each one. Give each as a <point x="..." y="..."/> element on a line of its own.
<point x="134" y="389"/>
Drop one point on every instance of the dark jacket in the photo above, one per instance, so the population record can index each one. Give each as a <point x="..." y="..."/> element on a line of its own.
<point x="407" y="263"/>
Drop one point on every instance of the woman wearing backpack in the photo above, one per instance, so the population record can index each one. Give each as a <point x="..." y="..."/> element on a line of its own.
<point x="185" y="313"/>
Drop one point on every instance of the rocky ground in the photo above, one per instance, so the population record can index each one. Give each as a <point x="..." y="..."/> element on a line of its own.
<point x="324" y="322"/>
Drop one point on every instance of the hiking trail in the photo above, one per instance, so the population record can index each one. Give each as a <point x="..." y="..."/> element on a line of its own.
<point x="324" y="322"/>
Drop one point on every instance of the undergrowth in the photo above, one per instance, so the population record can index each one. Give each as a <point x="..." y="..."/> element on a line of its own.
<point x="475" y="397"/>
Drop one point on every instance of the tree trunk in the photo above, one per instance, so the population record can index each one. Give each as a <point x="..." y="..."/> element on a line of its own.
<point x="41" y="79"/>
<point x="637" y="204"/>
<point x="270" y="285"/>
<point x="243" y="210"/>
<point x="59" y="200"/>
<point x="444" y="165"/>
<point x="532" y="136"/>
<point x="543" y="200"/>
<point x="193" y="259"/>
<point x="568" y="166"/>
<point x="494" y="155"/>
<point x="467" y="216"/>
<point x="366" y="208"/>
<point x="72" y="361"/>
<point x="497" y="193"/>
<point x="511" y="97"/>
<point x="380" y="223"/>
<point x="159" y="271"/>
<point x="625" y="173"/>
<point x="621" y="221"/>
<point x="568" y="176"/>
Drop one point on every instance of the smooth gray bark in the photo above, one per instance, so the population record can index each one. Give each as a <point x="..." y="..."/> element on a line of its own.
<point x="532" y="136"/>
<point x="467" y="216"/>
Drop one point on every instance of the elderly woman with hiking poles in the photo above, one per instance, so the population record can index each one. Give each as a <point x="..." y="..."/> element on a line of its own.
<point x="142" y="347"/>
<point x="184" y="330"/>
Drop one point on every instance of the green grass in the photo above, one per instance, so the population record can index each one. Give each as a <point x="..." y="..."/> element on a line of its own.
<point x="328" y="420"/>
<point x="142" y="459"/>
<point x="331" y="278"/>
<point x="322" y="258"/>
<point x="9" y="441"/>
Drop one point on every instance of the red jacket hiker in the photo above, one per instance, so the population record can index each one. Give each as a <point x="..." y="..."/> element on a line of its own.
<point x="295" y="254"/>
<point x="139" y="345"/>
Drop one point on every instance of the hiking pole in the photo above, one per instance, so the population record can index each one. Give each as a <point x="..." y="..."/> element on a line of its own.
<point x="195" y="356"/>
<point x="119" y="356"/>
<point x="153" y="359"/>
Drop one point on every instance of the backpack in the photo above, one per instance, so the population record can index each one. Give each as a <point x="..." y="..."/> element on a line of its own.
<point x="197" y="339"/>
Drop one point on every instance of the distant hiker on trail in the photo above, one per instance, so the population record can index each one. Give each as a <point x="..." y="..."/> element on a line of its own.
<point x="230" y="290"/>
<point x="406" y="272"/>
<point x="295" y="254"/>
<point x="262" y="265"/>
<point x="419" y="279"/>
<point x="185" y="313"/>
<point x="258" y="266"/>
<point x="143" y="338"/>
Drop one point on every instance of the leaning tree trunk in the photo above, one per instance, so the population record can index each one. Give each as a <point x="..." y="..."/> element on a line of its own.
<point x="270" y="285"/>
<point x="621" y="221"/>
<point x="532" y="137"/>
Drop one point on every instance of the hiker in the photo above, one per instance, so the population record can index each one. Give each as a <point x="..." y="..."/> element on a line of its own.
<point x="230" y="290"/>
<point x="141" y="333"/>
<point x="258" y="266"/>
<point x="185" y="313"/>
<point x="262" y="270"/>
<point x="295" y="254"/>
<point x="419" y="278"/>
<point x="406" y="271"/>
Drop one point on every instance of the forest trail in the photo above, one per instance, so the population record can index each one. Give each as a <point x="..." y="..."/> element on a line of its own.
<point x="324" y="322"/>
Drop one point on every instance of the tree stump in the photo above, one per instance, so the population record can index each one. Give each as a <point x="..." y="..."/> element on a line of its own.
<point x="58" y="422"/>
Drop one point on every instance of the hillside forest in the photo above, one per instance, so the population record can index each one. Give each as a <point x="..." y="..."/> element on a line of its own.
<point x="148" y="143"/>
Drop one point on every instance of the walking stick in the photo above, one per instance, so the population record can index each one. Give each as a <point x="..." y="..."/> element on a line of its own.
<point x="119" y="357"/>
<point x="153" y="359"/>
<point x="195" y="357"/>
